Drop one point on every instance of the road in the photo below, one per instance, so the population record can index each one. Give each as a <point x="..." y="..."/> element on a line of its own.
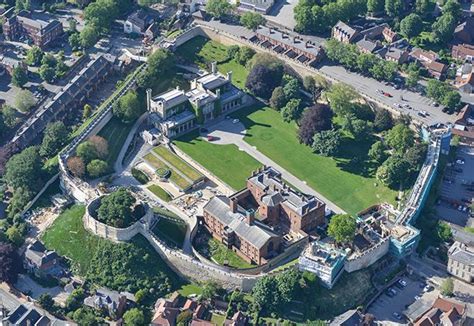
<point x="228" y="132"/>
<point x="366" y="86"/>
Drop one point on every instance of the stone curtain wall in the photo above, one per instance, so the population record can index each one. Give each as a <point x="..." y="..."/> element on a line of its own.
<point x="368" y="257"/>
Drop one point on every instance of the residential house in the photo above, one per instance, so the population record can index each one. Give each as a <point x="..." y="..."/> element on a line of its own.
<point x="151" y="33"/>
<point x="301" y="48"/>
<point x="464" y="52"/>
<point x="394" y="54"/>
<point x="24" y="315"/>
<point x="40" y="32"/>
<point x="115" y="303"/>
<point x="7" y="64"/>
<point x="42" y="262"/>
<point x="238" y="319"/>
<point x="464" y="125"/>
<point x="366" y="45"/>
<point x="349" y="318"/>
<point x="461" y="261"/>
<point x="464" y="81"/>
<point x="464" y="33"/>
<point x="176" y="112"/>
<point x="137" y="22"/>
<point x="344" y="33"/>
<point x="166" y="311"/>
<point x="429" y="60"/>
<point x="389" y="35"/>
<point x="443" y="312"/>
<point x="259" y="6"/>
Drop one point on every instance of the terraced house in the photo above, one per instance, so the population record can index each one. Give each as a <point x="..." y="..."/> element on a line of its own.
<point x="176" y="112"/>
<point x="263" y="219"/>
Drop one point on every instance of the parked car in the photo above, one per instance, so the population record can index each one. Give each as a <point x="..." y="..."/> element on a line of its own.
<point x="417" y="297"/>
<point x="428" y="288"/>
<point x="211" y="138"/>
<point x="397" y="316"/>
<point x="402" y="282"/>
<point x="235" y="121"/>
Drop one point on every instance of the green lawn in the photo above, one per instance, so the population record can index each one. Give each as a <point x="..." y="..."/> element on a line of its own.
<point x="159" y="192"/>
<point x="69" y="238"/>
<point x="115" y="131"/>
<point x="171" y="231"/>
<point x="217" y="319"/>
<point x="225" y="161"/>
<point x="176" y="178"/>
<point x="348" y="183"/>
<point x="239" y="72"/>
<point x="202" y="51"/>
<point x="189" y="289"/>
<point x="220" y="254"/>
<point x="177" y="163"/>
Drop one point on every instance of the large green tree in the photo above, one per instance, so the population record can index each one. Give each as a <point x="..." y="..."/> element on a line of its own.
<point x="23" y="170"/>
<point x="218" y="8"/>
<point x="326" y="142"/>
<point x="443" y="28"/>
<point x="128" y="107"/>
<point x="400" y="138"/>
<point x="252" y="20"/>
<point x="341" y="98"/>
<point x="34" y="56"/>
<point x="342" y="228"/>
<point x="134" y="317"/>
<point x="55" y="136"/>
<point x="24" y="100"/>
<point x="411" y="25"/>
<point x="19" y="76"/>
<point x="116" y="209"/>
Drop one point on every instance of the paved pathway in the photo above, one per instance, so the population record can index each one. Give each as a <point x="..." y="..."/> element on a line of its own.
<point x="228" y="132"/>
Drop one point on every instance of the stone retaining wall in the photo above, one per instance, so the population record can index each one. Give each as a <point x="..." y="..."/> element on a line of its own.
<point x="368" y="257"/>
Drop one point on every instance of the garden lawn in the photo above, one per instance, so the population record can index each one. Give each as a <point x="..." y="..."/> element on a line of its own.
<point x="69" y="238"/>
<point x="221" y="255"/>
<point x="349" y="184"/>
<point x="226" y="162"/>
<point x="115" y="131"/>
<point x="172" y="231"/>
<point x="177" y="179"/>
<point x="159" y="192"/>
<point x="189" y="289"/>
<point x="177" y="163"/>
<point x="239" y="72"/>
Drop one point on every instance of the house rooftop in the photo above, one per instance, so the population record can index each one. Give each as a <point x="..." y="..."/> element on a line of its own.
<point x="172" y="97"/>
<point x="212" y="81"/>
<point x="324" y="254"/>
<point x="344" y="28"/>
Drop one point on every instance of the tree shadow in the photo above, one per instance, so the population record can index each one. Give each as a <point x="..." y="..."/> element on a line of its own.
<point x="353" y="156"/>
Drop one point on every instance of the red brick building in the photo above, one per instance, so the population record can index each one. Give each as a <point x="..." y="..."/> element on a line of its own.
<point x="252" y="222"/>
<point x="40" y="32"/>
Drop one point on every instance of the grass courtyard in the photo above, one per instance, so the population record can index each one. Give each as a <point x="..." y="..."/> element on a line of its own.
<point x="202" y="51"/>
<point x="159" y="192"/>
<point x="344" y="180"/>
<point x="226" y="162"/>
<point x="177" y="163"/>
<point x="115" y="132"/>
<point x="174" y="177"/>
<point x="172" y="231"/>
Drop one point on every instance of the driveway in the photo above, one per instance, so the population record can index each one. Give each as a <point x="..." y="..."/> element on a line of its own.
<point x="228" y="132"/>
<point x="28" y="286"/>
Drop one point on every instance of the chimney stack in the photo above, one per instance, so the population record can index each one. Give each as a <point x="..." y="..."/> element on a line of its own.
<point x="250" y="216"/>
<point x="229" y="76"/>
<point x="214" y="67"/>
<point x="148" y="99"/>
<point x="233" y="205"/>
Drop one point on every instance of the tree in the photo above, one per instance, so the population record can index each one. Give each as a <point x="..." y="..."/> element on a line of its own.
<point x="87" y="111"/>
<point x="393" y="171"/>
<point x="89" y="36"/>
<point x="400" y="138"/>
<point x="377" y="152"/>
<point x="159" y="63"/>
<point x="21" y="198"/>
<point x="252" y="20"/>
<point x="412" y="79"/>
<point x="411" y="25"/>
<point x="262" y="80"/>
<point x="23" y="170"/>
<point x="19" y="76"/>
<point x="184" y="318"/>
<point x="47" y="73"/>
<point x="309" y="84"/>
<point x="360" y="129"/>
<point x="116" y="208"/>
<point x="86" y="317"/>
<point x="128" y="107"/>
<point x="97" y="168"/>
<point x="451" y="99"/>
<point x="75" y="40"/>
<point x="416" y="155"/>
<point x="315" y="119"/>
<point x="86" y="151"/>
<point x="135" y="317"/>
<point x="342" y="228"/>
<point x="291" y="88"/>
<point x="452" y="7"/>
<point x="393" y="8"/>
<point x="326" y="142"/>
<point x="383" y="120"/>
<point x="443" y="28"/>
<point x="232" y="51"/>
<point x="75" y="299"/>
<point x="14" y="235"/>
<point x="10" y="116"/>
<point x="76" y="165"/>
<point x="100" y="14"/>
<point x="244" y="55"/>
<point x="291" y="111"/>
<point x="341" y="97"/>
<point x="10" y="263"/>
<point x="218" y="8"/>
<point x="46" y="301"/>
<point x="24" y="100"/>
<point x="278" y="98"/>
<point x="34" y="56"/>
<point x="422" y="7"/>
<point x="209" y="290"/>
<point x="55" y="136"/>
<point x="447" y="287"/>
<point x="101" y="146"/>
<point x="72" y="25"/>
<point x="375" y="6"/>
